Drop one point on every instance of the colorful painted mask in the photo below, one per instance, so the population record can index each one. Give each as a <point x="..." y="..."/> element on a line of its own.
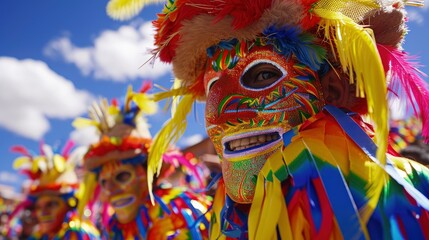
<point x="124" y="186"/>
<point x="254" y="95"/>
<point x="50" y="212"/>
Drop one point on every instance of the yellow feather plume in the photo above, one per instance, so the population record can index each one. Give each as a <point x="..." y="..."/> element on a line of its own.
<point x="415" y="3"/>
<point x="170" y="133"/>
<point x="84" y="122"/>
<point x="86" y="191"/>
<point x="359" y="57"/>
<point x="126" y="9"/>
<point x="145" y="103"/>
<point x="22" y="162"/>
<point x="169" y="94"/>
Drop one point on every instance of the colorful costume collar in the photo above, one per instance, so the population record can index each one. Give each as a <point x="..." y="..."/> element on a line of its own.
<point x="72" y="228"/>
<point x="314" y="188"/>
<point x="176" y="213"/>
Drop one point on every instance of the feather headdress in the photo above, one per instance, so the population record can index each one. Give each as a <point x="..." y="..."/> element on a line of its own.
<point x="123" y="130"/>
<point x="53" y="170"/>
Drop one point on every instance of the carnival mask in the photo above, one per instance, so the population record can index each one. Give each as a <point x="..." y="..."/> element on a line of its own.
<point x="252" y="99"/>
<point x="124" y="185"/>
<point x="50" y="212"/>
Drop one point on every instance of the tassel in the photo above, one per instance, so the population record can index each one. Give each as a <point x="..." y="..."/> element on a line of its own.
<point x="170" y="133"/>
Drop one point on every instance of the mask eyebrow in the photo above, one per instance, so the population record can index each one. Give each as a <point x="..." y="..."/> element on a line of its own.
<point x="210" y="84"/>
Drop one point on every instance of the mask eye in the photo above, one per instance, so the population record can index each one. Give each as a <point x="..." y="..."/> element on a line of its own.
<point x="260" y="75"/>
<point x="123" y="177"/>
<point x="210" y="84"/>
<point x="53" y="204"/>
<point x="103" y="183"/>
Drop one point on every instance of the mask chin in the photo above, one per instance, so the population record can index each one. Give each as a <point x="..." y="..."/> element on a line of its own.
<point x="128" y="213"/>
<point x="240" y="175"/>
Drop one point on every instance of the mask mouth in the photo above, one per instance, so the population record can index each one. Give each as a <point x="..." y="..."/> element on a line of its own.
<point x="122" y="201"/>
<point x="46" y="219"/>
<point x="251" y="142"/>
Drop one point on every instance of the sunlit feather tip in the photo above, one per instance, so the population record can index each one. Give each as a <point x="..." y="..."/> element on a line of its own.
<point x="170" y="133"/>
<point x="415" y="3"/>
<point x="127" y="9"/>
<point x="104" y="116"/>
<point x="347" y="36"/>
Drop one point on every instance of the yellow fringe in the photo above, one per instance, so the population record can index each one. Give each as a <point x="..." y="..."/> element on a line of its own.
<point x="218" y="203"/>
<point x="126" y="9"/>
<point x="359" y="57"/>
<point x="268" y="207"/>
<point x="170" y="133"/>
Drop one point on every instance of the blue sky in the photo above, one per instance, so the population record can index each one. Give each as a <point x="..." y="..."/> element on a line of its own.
<point x="56" y="57"/>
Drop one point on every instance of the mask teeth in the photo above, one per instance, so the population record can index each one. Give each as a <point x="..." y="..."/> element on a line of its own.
<point x="248" y="142"/>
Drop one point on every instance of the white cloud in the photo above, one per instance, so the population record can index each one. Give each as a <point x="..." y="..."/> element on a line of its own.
<point x="115" y="55"/>
<point x="398" y="109"/>
<point x="415" y="16"/>
<point x="30" y="93"/>
<point x="84" y="136"/>
<point x="8" y="177"/>
<point x="191" y="140"/>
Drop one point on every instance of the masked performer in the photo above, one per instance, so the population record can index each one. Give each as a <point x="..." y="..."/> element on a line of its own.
<point x="286" y="84"/>
<point x="117" y="164"/>
<point x="53" y="192"/>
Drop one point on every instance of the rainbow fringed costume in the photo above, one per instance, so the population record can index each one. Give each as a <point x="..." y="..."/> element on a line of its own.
<point x="73" y="228"/>
<point x="176" y="214"/>
<point x="287" y="84"/>
<point x="121" y="153"/>
<point x="52" y="173"/>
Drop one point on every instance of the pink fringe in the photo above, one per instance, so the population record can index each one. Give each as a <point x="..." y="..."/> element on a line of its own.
<point x="21" y="149"/>
<point x="67" y="148"/>
<point x="406" y="80"/>
<point x="42" y="153"/>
